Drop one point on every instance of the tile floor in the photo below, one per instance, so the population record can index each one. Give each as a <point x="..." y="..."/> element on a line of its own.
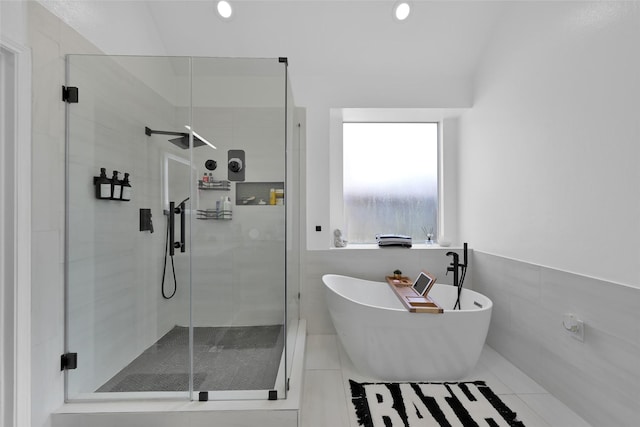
<point x="328" y="369"/>
<point x="224" y="358"/>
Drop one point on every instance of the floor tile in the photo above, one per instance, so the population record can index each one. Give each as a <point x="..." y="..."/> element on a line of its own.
<point x="483" y="373"/>
<point x="554" y="412"/>
<point x="322" y="352"/>
<point x="324" y="402"/>
<point x="525" y="414"/>
<point x="327" y="393"/>
<point x="506" y="372"/>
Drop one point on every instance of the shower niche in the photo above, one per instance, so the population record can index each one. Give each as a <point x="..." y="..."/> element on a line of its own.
<point x="260" y="193"/>
<point x="216" y="316"/>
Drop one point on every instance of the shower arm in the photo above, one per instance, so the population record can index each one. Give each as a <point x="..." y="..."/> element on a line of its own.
<point x="150" y="132"/>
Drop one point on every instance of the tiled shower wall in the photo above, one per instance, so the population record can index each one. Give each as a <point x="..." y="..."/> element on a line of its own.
<point x="238" y="265"/>
<point x="598" y="378"/>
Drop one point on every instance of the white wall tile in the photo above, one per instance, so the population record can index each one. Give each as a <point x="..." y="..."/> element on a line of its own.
<point x="598" y="377"/>
<point x="47" y="299"/>
<point x="602" y="305"/>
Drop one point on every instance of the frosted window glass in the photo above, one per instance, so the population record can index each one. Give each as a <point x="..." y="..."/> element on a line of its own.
<point x="390" y="180"/>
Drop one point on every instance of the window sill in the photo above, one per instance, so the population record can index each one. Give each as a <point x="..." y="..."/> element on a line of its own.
<point x="419" y="246"/>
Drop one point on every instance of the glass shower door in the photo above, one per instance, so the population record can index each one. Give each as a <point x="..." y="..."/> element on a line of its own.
<point x="239" y="232"/>
<point x="127" y="312"/>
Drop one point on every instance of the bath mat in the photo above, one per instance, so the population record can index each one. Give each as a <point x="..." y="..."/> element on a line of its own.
<point x="465" y="404"/>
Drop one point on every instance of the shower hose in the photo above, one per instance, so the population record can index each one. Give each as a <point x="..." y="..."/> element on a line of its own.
<point x="164" y="266"/>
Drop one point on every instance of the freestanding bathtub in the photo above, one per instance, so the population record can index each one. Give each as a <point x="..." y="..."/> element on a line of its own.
<point x="386" y="341"/>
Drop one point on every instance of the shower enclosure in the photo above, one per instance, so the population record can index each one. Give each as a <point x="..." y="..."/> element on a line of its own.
<point x="182" y="214"/>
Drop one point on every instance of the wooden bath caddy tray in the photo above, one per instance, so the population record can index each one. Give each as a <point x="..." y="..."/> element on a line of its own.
<point x="413" y="302"/>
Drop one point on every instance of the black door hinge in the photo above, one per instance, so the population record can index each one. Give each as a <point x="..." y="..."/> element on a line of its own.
<point x="273" y="394"/>
<point x="70" y="94"/>
<point x="288" y="384"/>
<point x="68" y="361"/>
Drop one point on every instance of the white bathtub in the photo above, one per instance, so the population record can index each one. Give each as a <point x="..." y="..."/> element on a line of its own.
<point x="387" y="342"/>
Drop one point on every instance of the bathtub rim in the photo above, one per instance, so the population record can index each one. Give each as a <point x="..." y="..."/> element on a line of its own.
<point x="487" y="306"/>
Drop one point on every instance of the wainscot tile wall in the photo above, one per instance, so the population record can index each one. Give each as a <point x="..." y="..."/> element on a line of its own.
<point x="598" y="378"/>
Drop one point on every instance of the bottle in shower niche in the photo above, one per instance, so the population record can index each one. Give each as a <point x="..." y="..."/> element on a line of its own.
<point x="226" y="207"/>
<point x="126" y="188"/>
<point x="272" y="196"/>
<point x="103" y="185"/>
<point x="220" y="207"/>
<point x="116" y="186"/>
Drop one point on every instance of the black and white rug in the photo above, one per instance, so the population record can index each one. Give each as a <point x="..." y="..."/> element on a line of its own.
<point x="464" y="404"/>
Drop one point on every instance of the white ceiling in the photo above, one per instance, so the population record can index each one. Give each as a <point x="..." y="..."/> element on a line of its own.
<point x="440" y="38"/>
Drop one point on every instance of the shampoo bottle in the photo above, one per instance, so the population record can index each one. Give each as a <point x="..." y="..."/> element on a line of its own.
<point x="116" y="186"/>
<point x="227" y="207"/>
<point x="103" y="185"/>
<point x="126" y="188"/>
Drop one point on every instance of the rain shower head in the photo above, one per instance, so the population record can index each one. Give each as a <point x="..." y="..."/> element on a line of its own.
<point x="182" y="141"/>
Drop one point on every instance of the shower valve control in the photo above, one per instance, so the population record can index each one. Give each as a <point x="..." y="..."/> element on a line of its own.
<point x="211" y="164"/>
<point x="235" y="165"/>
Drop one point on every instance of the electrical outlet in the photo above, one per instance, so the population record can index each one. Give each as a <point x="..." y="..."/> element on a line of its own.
<point x="573" y="326"/>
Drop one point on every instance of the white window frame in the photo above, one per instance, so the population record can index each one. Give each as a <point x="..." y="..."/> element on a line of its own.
<point x="447" y="120"/>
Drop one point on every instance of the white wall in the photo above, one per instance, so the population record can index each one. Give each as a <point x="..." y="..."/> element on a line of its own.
<point x="548" y="185"/>
<point x="548" y="158"/>
<point x="13" y="21"/>
<point x="49" y="40"/>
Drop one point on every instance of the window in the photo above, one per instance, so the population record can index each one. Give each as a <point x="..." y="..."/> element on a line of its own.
<point x="390" y="180"/>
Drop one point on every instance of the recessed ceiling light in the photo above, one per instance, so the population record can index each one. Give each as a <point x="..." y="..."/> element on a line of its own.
<point x="224" y="9"/>
<point x="401" y="10"/>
